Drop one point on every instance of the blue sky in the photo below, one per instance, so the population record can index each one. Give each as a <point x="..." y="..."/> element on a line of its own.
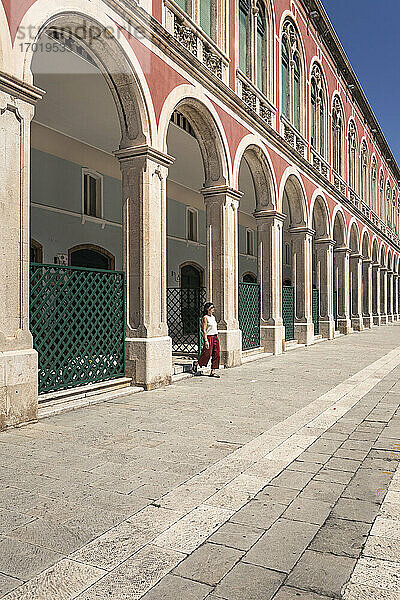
<point x="369" y="32"/>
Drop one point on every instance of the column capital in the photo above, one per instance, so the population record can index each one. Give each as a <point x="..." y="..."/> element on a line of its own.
<point x="325" y="242"/>
<point x="301" y="230"/>
<point x="376" y="265"/>
<point x="343" y="249"/>
<point x="390" y="272"/>
<point x="20" y="89"/>
<point x="384" y="269"/>
<point x="143" y="151"/>
<point x="269" y="215"/>
<point x="222" y="191"/>
<point x="368" y="261"/>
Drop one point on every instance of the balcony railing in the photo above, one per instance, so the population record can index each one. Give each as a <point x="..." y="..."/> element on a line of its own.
<point x="339" y="182"/>
<point x="293" y="137"/>
<point x="319" y="163"/>
<point x="255" y="100"/>
<point x="191" y="36"/>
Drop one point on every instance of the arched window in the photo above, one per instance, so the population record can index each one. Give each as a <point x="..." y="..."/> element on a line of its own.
<point x="254" y="43"/>
<point x="352" y="150"/>
<point x="92" y="257"/>
<point x="249" y="278"/>
<point x="36" y="252"/>
<point x="374" y="185"/>
<point x="381" y="210"/>
<point x="364" y="172"/>
<point x="291" y="75"/>
<point x="317" y="110"/>
<point x="206" y="16"/>
<point x="207" y="13"/>
<point x="393" y="209"/>
<point x="337" y="136"/>
<point x="388" y="198"/>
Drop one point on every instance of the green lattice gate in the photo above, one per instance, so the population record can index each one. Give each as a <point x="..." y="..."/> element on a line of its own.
<point x="288" y="311"/>
<point x="77" y="319"/>
<point x="335" y="310"/>
<point x="249" y="314"/>
<point x="315" y="310"/>
<point x="184" y="307"/>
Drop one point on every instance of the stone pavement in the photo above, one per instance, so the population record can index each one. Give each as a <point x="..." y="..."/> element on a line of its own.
<point x="264" y="484"/>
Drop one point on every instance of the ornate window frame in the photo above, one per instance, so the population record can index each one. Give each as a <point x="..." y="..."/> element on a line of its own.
<point x="317" y="81"/>
<point x="337" y="135"/>
<point x="291" y="40"/>
<point x="352" y="152"/>
<point x="364" y="162"/>
<point x="374" y="185"/>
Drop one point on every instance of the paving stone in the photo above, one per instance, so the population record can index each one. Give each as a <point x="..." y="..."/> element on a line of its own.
<point x="341" y="537"/>
<point x="8" y="583"/>
<point x="234" y="535"/>
<point x="305" y="467"/>
<point x="281" y="546"/>
<point x="278" y="494"/>
<point x="385" y="444"/>
<point x="309" y="511"/>
<point x="314" y="457"/>
<point x="22" y="560"/>
<point x="323" y="490"/>
<point x="10" y="520"/>
<point x="381" y="547"/>
<point x="325" y="446"/>
<point x="363" y="436"/>
<point x="294" y="480"/>
<point x="384" y="526"/>
<point x="172" y="587"/>
<point x="53" y="535"/>
<point x="334" y="435"/>
<point x="352" y="454"/>
<point x="259" y="514"/>
<point x="333" y="476"/>
<point x="366" y="592"/>
<point x="380" y="464"/>
<point x="209" y="563"/>
<point x="343" y="464"/>
<point x="356" y="445"/>
<point x="367" y="485"/>
<point x="291" y="593"/>
<point x="355" y="510"/>
<point x="249" y="582"/>
<point x="321" y="573"/>
<point x="377" y="573"/>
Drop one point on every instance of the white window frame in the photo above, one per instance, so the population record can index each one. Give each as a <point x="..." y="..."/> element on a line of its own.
<point x="252" y="238"/>
<point x="100" y="200"/>
<point x="195" y="213"/>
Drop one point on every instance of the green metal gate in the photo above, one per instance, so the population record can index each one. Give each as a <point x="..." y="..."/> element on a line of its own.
<point x="288" y="311"/>
<point x="335" y="310"/>
<point x="183" y="313"/>
<point x="77" y="319"/>
<point x="249" y="314"/>
<point x="315" y="310"/>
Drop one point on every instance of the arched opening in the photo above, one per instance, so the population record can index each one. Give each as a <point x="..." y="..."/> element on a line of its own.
<point x="76" y="200"/>
<point x="389" y="287"/>
<point x="366" y="280"/>
<point x="355" y="278"/>
<point x="383" y="284"/>
<point x="296" y="258"/>
<point x="321" y="269"/>
<point x="341" y="308"/>
<point x="36" y="252"/>
<point x="376" y="309"/>
<point x="91" y="257"/>
<point x="249" y="278"/>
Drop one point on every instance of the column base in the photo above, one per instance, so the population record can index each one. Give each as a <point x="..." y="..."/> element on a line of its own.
<point x="376" y="319"/>
<point x="368" y="321"/>
<point x="390" y="318"/>
<point x="384" y="319"/>
<point x="230" y="341"/>
<point x="327" y="328"/>
<point x="344" y="325"/>
<point x="149" y="361"/>
<point x="18" y="387"/>
<point x="273" y="338"/>
<point x="304" y="333"/>
<point x="357" y="323"/>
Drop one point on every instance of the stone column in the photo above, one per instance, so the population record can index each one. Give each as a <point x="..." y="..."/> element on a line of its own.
<point x="222" y="267"/>
<point x="390" y="296"/>
<point x="324" y="266"/>
<point x="302" y="271"/>
<point x="376" y="295"/>
<point x="269" y="235"/>
<point x="395" y="297"/>
<point x="342" y="275"/>
<point x="356" y="287"/>
<point x="18" y="359"/>
<point x="148" y="346"/>
<point x="367" y="292"/>
<point x="383" y="287"/>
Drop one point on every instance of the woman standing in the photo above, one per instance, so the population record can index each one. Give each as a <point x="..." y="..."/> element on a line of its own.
<point x="211" y="341"/>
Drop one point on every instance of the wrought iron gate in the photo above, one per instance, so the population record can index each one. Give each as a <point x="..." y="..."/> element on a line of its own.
<point x="183" y="317"/>
<point x="77" y="319"/>
<point x="335" y="309"/>
<point x="315" y="310"/>
<point x="288" y="311"/>
<point x="249" y="314"/>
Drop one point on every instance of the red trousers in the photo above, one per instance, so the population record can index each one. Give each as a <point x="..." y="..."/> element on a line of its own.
<point x="211" y="352"/>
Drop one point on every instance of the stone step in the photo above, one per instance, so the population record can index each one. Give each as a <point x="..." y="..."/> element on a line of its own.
<point x="84" y="390"/>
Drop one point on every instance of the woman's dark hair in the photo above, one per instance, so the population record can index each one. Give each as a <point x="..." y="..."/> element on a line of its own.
<point x="206" y="307"/>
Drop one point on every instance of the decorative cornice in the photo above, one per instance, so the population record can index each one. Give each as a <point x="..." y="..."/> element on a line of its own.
<point x="20" y="89"/>
<point x="143" y="150"/>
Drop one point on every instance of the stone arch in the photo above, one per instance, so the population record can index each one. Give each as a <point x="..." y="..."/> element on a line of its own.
<point x="109" y="258"/>
<point x="365" y="245"/>
<point x="293" y="195"/>
<point x="389" y="259"/>
<point x="210" y="134"/>
<point x="319" y="220"/>
<point x="382" y="256"/>
<point x="114" y="58"/>
<point x="375" y="251"/>
<point x="5" y="41"/>
<point x="339" y="229"/>
<point x="261" y="169"/>
<point x="354" y="237"/>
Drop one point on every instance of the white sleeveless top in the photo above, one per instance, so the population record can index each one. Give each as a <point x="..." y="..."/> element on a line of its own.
<point x="211" y="325"/>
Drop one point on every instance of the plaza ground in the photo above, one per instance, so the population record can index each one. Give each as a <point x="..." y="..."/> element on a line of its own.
<point x="267" y="483"/>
